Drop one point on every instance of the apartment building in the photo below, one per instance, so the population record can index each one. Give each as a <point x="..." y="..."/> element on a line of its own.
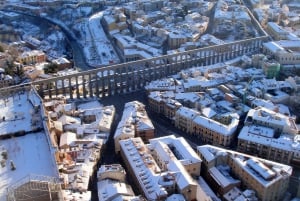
<point x="271" y="68"/>
<point x="218" y="131"/>
<point x="33" y="72"/>
<point x="32" y="57"/>
<point x="184" y="117"/>
<point x="201" y="84"/>
<point x="62" y="63"/>
<point x="265" y="117"/>
<point x="163" y="168"/>
<point x="156" y="101"/>
<point x="162" y="103"/>
<point x="255" y="102"/>
<point x="294" y="82"/>
<point x="226" y="15"/>
<point x="268" y="179"/>
<point x="176" y="39"/>
<point x="166" y="84"/>
<point x="214" y="132"/>
<point x="262" y="142"/>
<point x="142" y="169"/>
<point x="147" y="6"/>
<point x="112" y="171"/>
<point x="286" y="52"/>
<point x="271" y="89"/>
<point x="133" y="50"/>
<point x="134" y="123"/>
<point x="190" y="99"/>
<point x="109" y="22"/>
<point x="181" y="150"/>
<point x="5" y="80"/>
<point x="160" y="100"/>
<point x="237" y="194"/>
<point x="276" y="31"/>
<point x="112" y="184"/>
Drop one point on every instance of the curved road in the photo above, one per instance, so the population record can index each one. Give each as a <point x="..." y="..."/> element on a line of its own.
<point x="78" y="56"/>
<point x="77" y="50"/>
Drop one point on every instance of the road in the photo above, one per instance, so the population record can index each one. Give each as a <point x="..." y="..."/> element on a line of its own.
<point x="78" y="56"/>
<point x="77" y="50"/>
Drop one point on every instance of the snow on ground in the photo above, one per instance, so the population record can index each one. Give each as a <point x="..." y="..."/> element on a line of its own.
<point x="27" y="29"/>
<point x="105" y="52"/>
<point x="17" y="113"/>
<point x="97" y="48"/>
<point x="85" y="10"/>
<point x="52" y="40"/>
<point x="30" y="154"/>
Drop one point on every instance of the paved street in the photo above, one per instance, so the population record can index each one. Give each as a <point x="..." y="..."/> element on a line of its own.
<point x="109" y="156"/>
<point x="118" y="101"/>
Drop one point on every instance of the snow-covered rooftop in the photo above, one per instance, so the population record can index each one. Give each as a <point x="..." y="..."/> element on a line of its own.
<point x="217" y="126"/>
<point x="161" y="85"/>
<point x="154" y="176"/>
<point x="182" y="148"/>
<point x="17" y="112"/>
<point x="264" y="171"/>
<point x="30" y="155"/>
<point x="265" y="136"/>
<point x="187" y="113"/>
<point x="272" y="119"/>
<point x="144" y="167"/>
<point x="109" y="189"/>
<point x="224" y="180"/>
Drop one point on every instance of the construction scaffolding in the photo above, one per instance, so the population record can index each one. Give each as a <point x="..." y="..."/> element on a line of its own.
<point x="35" y="188"/>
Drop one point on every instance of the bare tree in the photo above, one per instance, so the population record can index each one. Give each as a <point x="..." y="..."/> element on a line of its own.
<point x="5" y="94"/>
<point x="14" y="52"/>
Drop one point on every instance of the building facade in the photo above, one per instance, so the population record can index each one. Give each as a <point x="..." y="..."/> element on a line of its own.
<point x="268" y="179"/>
<point x="134" y="123"/>
<point x="261" y="141"/>
<point x="32" y="57"/>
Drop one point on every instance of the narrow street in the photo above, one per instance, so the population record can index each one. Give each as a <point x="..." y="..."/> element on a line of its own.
<point x="163" y="127"/>
<point x="118" y="101"/>
<point x="109" y="156"/>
